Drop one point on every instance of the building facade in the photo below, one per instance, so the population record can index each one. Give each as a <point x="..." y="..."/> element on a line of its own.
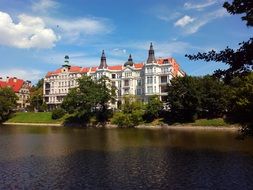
<point x="21" y="89"/>
<point x="140" y="79"/>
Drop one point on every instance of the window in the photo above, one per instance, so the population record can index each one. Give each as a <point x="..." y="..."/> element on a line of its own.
<point x="165" y="70"/>
<point x="154" y="80"/>
<point x="165" y="61"/>
<point x="139" y="82"/>
<point x="149" y="69"/>
<point x="138" y="91"/>
<point x="113" y="76"/>
<point x="163" y="89"/>
<point x="128" y="74"/>
<point x="149" y="80"/>
<point x="126" y="83"/>
<point x="113" y="84"/>
<point x="154" y="89"/>
<point x="150" y="89"/>
<point x="163" y="79"/>
<point x="126" y="91"/>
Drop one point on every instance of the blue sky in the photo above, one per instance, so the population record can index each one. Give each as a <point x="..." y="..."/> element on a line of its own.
<point x="35" y="35"/>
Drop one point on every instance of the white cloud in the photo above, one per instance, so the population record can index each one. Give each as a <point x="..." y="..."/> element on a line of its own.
<point x="118" y="51"/>
<point x="43" y="6"/>
<point x="202" y="20"/>
<point x="29" y="32"/>
<point x="199" y="6"/>
<point x="25" y="74"/>
<point x="185" y="20"/>
<point x="73" y="29"/>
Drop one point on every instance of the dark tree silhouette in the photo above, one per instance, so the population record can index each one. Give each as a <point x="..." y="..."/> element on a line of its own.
<point x="240" y="61"/>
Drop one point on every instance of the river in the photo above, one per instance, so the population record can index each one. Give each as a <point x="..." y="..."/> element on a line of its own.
<point x="72" y="158"/>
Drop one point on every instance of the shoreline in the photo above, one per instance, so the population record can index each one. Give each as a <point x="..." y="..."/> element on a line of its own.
<point x="190" y="127"/>
<point x="34" y="124"/>
<point x="153" y="127"/>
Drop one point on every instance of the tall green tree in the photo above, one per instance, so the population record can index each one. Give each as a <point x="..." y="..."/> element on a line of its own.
<point x="184" y="98"/>
<point x="8" y="101"/>
<point x="241" y="105"/>
<point x="90" y="98"/>
<point x="197" y="97"/>
<point x="153" y="108"/>
<point x="240" y="61"/>
<point x="36" y="97"/>
<point x="215" y="97"/>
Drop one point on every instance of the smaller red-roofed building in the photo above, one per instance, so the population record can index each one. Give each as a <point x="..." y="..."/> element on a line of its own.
<point x="21" y="89"/>
<point x="140" y="79"/>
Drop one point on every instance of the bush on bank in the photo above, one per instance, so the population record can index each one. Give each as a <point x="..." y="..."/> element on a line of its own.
<point x="58" y="113"/>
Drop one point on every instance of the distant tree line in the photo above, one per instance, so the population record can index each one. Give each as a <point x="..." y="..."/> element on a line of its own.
<point x="191" y="98"/>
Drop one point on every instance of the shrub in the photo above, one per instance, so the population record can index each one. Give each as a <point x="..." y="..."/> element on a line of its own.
<point x="58" y="113"/>
<point x="128" y="119"/>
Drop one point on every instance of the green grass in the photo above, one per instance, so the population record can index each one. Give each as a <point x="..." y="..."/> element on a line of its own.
<point x="210" y="122"/>
<point x="32" y="117"/>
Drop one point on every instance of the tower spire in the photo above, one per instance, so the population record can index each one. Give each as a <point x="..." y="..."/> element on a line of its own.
<point x="66" y="61"/>
<point x="103" y="64"/>
<point x="151" y="54"/>
<point x="129" y="61"/>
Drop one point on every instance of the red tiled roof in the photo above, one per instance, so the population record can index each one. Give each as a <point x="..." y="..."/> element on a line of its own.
<point x="171" y="61"/>
<point x="75" y="69"/>
<point x="161" y="61"/>
<point x="85" y="70"/>
<point x="78" y="69"/>
<point x="15" y="84"/>
<point x="138" y="65"/>
<point x="93" y="69"/>
<point x="115" y="67"/>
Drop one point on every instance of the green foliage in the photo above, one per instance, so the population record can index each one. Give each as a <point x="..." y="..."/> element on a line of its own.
<point x="240" y="61"/>
<point x="241" y="7"/>
<point x="90" y="98"/>
<point x="58" y="113"/>
<point x="7" y="102"/>
<point x="36" y="98"/>
<point x="153" y="108"/>
<point x="241" y="105"/>
<point x="192" y="97"/>
<point x="210" y="122"/>
<point x="131" y="113"/>
<point x="184" y="98"/>
<point x="215" y="97"/>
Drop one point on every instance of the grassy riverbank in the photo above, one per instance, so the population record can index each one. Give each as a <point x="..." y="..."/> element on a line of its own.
<point x="46" y="118"/>
<point x="34" y="117"/>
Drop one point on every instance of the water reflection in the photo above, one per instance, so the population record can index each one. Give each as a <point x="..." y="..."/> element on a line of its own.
<point x="63" y="158"/>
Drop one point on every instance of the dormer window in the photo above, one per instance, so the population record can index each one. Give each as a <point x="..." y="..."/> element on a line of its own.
<point x="165" y="61"/>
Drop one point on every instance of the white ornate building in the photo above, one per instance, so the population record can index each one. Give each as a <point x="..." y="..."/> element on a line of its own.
<point x="140" y="79"/>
